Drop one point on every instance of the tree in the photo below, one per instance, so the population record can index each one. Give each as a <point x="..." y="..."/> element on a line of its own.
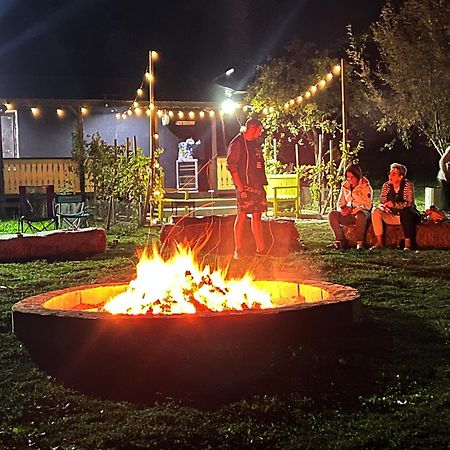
<point x="409" y="84"/>
<point x="285" y="78"/>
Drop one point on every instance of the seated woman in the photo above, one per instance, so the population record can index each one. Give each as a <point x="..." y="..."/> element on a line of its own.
<point x="353" y="207"/>
<point x="396" y="207"/>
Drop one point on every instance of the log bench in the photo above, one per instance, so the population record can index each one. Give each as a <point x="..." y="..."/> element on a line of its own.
<point x="214" y="234"/>
<point x="429" y="235"/>
<point x="52" y="245"/>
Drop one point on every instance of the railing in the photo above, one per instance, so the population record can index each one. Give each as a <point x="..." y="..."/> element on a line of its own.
<point x="224" y="180"/>
<point x="60" y="172"/>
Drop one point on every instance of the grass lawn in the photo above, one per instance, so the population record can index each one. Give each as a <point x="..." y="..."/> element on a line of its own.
<point x="385" y="384"/>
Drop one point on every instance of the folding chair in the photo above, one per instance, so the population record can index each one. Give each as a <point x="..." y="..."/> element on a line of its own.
<point x="36" y="211"/>
<point x="70" y="211"/>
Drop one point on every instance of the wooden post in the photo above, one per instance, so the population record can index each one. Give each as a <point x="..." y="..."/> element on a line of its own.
<point x="152" y="125"/>
<point x="344" y="110"/>
<point x="319" y="176"/>
<point x="127" y="148"/>
<point x="135" y="148"/>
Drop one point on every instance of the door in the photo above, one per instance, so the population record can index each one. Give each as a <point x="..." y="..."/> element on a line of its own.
<point x="9" y="134"/>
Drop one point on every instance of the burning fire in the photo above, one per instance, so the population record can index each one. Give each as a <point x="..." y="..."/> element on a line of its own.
<point x="179" y="285"/>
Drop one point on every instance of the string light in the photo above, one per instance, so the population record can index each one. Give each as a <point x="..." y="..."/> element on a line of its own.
<point x="84" y="111"/>
<point x="140" y="92"/>
<point x="60" y="113"/>
<point x="191" y="115"/>
<point x="35" y="111"/>
<point x="336" y="70"/>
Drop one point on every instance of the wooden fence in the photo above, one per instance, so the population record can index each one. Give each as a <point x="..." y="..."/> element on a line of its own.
<point x="61" y="172"/>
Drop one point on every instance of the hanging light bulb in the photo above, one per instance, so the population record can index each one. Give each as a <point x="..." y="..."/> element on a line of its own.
<point x="60" y="113"/>
<point x="180" y="114"/>
<point x="212" y="113"/>
<point x="329" y="76"/>
<point x="118" y="115"/>
<point x="337" y="69"/>
<point x="307" y="94"/>
<point x="313" y="89"/>
<point x="191" y="115"/>
<point x="299" y="99"/>
<point x="322" y="84"/>
<point x="135" y="104"/>
<point x="35" y="111"/>
<point x="201" y="114"/>
<point x="170" y="114"/>
<point x="140" y="92"/>
<point x="291" y="101"/>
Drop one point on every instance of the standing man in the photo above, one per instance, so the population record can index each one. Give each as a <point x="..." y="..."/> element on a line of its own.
<point x="246" y="165"/>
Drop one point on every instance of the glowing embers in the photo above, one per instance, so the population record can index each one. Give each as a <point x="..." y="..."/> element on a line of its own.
<point x="180" y="285"/>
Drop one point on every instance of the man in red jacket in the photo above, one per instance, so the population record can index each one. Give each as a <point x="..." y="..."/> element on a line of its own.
<point x="245" y="162"/>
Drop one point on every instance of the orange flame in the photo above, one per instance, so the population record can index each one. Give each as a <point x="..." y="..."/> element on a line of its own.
<point x="179" y="285"/>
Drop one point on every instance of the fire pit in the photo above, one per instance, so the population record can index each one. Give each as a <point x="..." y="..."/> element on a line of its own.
<point x="135" y="356"/>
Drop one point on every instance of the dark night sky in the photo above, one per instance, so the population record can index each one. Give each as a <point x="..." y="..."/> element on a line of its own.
<point x="99" y="48"/>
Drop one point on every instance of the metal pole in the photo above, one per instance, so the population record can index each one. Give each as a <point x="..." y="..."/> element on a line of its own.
<point x="2" y="176"/>
<point x="344" y="108"/>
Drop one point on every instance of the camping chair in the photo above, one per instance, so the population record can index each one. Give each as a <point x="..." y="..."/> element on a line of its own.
<point x="36" y="208"/>
<point x="70" y="211"/>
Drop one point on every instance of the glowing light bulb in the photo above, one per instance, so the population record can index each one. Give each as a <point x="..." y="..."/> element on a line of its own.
<point x="329" y="76"/>
<point x="322" y="84"/>
<point x="135" y="104"/>
<point x="180" y="114"/>
<point x="159" y="113"/>
<point x="201" y="114"/>
<point x="170" y="114"/>
<point x="337" y="69"/>
<point x="228" y="106"/>
<point x="35" y="111"/>
<point x="212" y="113"/>
<point x="291" y="101"/>
<point x="307" y="94"/>
<point x="154" y="55"/>
<point x="140" y="92"/>
<point x="313" y="89"/>
<point x="60" y="112"/>
<point x="191" y="115"/>
<point x="148" y="112"/>
<point x="265" y="110"/>
<point x="299" y="99"/>
<point x="129" y="112"/>
<point x="118" y="116"/>
<point x="84" y="111"/>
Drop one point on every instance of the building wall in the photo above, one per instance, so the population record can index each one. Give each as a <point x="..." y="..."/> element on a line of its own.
<point x="46" y="135"/>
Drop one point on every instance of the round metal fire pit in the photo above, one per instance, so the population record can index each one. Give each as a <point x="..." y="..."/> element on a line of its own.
<point x="135" y="357"/>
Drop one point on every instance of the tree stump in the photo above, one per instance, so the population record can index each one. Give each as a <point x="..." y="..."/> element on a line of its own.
<point x="429" y="235"/>
<point x="214" y="234"/>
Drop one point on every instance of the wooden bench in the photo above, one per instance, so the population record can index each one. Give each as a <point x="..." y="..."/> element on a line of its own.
<point x="283" y="188"/>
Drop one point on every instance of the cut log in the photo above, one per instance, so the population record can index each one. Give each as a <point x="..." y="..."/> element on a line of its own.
<point x="429" y="235"/>
<point x="214" y="234"/>
<point x="53" y="245"/>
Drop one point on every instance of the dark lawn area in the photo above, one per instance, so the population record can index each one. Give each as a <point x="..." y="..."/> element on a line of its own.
<point x="383" y="384"/>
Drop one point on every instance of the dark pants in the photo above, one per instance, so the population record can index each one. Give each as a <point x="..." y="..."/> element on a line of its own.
<point x="409" y="218"/>
<point x="337" y="220"/>
<point x="445" y="187"/>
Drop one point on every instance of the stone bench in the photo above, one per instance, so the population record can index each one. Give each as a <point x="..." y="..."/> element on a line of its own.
<point x="53" y="245"/>
<point x="429" y="235"/>
<point x="214" y="234"/>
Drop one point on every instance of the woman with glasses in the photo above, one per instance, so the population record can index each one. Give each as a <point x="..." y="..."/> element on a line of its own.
<point x="396" y="207"/>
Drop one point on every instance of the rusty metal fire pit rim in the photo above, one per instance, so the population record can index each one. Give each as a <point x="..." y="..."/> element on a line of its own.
<point x="34" y="304"/>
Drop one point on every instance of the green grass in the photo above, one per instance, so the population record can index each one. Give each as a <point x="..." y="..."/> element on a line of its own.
<point x="384" y="384"/>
